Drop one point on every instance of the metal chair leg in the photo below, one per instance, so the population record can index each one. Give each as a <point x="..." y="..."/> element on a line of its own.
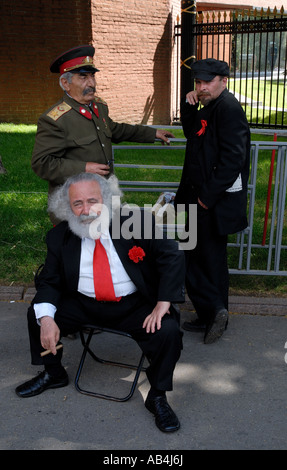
<point x="87" y="350"/>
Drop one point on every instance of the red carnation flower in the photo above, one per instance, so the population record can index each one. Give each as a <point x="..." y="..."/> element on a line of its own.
<point x="136" y="254"/>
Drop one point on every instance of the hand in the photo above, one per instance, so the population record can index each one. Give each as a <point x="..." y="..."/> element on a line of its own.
<point x="201" y="204"/>
<point x="192" y="97"/>
<point x="49" y="334"/>
<point x="97" y="168"/>
<point x="153" y="320"/>
<point x="164" y="135"/>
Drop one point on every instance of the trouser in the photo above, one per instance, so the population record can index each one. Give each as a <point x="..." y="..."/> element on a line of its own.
<point x="207" y="278"/>
<point x="162" y="348"/>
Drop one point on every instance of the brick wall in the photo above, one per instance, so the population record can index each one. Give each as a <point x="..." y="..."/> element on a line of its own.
<point x="33" y="32"/>
<point x="134" y="52"/>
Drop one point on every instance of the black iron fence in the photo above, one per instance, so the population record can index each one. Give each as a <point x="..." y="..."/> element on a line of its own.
<point x="254" y="43"/>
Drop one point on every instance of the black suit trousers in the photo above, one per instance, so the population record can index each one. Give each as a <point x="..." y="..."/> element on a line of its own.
<point x="161" y="348"/>
<point x="207" y="278"/>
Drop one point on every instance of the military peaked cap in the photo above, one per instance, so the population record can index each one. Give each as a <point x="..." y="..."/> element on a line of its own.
<point x="79" y="59"/>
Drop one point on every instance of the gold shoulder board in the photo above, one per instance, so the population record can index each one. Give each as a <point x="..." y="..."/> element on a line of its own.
<point x="59" y="110"/>
<point x="100" y="100"/>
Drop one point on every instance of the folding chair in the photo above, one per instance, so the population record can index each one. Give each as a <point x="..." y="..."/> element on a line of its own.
<point x="89" y="331"/>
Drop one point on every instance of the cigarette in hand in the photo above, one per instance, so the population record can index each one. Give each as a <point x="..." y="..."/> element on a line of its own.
<point x="48" y="351"/>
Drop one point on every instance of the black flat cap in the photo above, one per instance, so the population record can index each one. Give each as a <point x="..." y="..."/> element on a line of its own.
<point x="77" y="59"/>
<point x="207" y="69"/>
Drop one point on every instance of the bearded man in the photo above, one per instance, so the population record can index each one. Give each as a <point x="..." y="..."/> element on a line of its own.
<point x="139" y="300"/>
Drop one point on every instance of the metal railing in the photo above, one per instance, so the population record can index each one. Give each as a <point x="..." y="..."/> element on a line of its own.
<point x="246" y="243"/>
<point x="275" y="246"/>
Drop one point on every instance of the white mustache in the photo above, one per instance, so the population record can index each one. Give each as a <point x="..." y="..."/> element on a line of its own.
<point x="86" y="219"/>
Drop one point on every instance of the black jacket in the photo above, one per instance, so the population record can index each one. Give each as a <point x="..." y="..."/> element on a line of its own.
<point x="221" y="151"/>
<point x="159" y="276"/>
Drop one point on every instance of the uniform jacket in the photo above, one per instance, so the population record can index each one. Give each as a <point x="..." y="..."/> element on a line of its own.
<point x="69" y="135"/>
<point x="218" y="139"/>
<point x="159" y="276"/>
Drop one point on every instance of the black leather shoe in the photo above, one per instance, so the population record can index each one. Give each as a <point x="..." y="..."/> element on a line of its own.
<point x="194" y="325"/>
<point x="40" y="383"/>
<point x="217" y="327"/>
<point x="165" y="419"/>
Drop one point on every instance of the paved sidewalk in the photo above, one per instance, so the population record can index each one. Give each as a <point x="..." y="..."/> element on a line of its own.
<point x="227" y="395"/>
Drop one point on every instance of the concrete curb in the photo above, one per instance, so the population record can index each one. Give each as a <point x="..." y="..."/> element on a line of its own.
<point x="17" y="293"/>
<point x="237" y="304"/>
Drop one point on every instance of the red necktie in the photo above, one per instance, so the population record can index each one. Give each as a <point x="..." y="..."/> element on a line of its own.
<point x="103" y="283"/>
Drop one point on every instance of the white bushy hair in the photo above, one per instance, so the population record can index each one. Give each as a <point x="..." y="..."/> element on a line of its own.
<point x="59" y="203"/>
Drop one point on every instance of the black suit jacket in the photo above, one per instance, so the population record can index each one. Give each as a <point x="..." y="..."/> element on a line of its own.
<point x="160" y="276"/>
<point x="222" y="152"/>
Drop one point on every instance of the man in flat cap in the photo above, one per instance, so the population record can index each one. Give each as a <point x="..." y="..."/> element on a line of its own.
<point x="76" y="134"/>
<point x="215" y="177"/>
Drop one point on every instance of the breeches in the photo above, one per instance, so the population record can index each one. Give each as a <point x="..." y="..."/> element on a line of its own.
<point x="162" y="348"/>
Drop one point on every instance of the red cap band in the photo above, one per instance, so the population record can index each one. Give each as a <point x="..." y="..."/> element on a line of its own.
<point x="76" y="63"/>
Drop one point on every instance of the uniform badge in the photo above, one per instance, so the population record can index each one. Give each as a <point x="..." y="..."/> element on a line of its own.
<point x="85" y="113"/>
<point x="95" y="108"/>
<point x="59" y="110"/>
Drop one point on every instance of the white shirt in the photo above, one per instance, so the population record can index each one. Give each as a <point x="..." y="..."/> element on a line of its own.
<point x="122" y="283"/>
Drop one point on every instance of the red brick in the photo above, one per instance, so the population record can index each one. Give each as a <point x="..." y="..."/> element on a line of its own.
<point x="134" y="47"/>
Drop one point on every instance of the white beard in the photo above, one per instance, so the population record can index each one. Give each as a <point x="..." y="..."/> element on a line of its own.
<point x="91" y="226"/>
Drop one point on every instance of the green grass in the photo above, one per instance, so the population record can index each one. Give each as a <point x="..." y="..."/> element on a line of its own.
<point x="24" y="218"/>
<point x="261" y="91"/>
<point x="268" y="94"/>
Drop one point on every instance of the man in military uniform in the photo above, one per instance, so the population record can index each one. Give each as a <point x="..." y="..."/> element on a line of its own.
<point x="76" y="134"/>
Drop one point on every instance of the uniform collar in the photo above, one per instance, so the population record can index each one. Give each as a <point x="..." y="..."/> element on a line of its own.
<point x="84" y="110"/>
